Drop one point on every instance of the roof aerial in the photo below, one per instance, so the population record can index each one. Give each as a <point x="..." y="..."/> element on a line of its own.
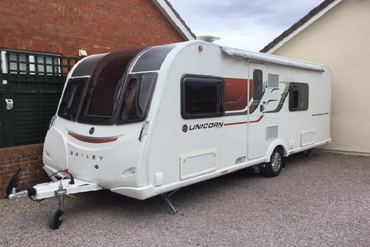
<point x="208" y="38"/>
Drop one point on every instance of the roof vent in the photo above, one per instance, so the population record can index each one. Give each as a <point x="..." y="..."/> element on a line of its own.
<point x="208" y="38"/>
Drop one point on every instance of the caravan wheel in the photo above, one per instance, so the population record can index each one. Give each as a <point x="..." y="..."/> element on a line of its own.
<point x="274" y="167"/>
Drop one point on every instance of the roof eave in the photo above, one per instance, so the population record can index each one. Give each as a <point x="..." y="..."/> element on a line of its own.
<point x="174" y="18"/>
<point x="293" y="31"/>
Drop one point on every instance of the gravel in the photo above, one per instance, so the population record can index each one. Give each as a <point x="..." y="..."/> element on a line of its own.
<point x="319" y="201"/>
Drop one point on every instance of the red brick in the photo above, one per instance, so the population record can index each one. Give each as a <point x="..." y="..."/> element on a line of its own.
<point x="65" y="27"/>
<point x="27" y="149"/>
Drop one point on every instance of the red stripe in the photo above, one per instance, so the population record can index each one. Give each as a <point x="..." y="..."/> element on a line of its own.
<point x="254" y="121"/>
<point x="92" y="141"/>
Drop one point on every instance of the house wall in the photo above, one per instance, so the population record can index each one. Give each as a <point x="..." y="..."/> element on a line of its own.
<point x="340" y="39"/>
<point x="64" y="27"/>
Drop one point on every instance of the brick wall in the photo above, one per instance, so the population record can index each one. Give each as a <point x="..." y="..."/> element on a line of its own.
<point x="24" y="157"/>
<point x="66" y="26"/>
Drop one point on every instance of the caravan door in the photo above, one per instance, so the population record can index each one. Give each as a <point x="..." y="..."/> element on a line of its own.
<point x="256" y="113"/>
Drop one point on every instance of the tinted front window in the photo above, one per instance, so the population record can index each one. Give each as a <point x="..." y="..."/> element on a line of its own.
<point x="202" y="96"/>
<point x="136" y="97"/>
<point x="110" y="95"/>
<point x="107" y="79"/>
<point x="71" y="98"/>
<point x="102" y="100"/>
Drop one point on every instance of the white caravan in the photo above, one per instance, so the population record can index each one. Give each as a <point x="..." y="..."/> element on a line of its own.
<point x="147" y="122"/>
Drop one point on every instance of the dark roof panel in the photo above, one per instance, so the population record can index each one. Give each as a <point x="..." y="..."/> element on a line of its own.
<point x="153" y="58"/>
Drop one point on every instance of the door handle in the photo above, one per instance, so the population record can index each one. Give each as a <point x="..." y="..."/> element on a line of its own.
<point x="262" y="106"/>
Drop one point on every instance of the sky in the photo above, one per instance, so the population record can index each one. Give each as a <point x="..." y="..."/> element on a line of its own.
<point x="244" y="24"/>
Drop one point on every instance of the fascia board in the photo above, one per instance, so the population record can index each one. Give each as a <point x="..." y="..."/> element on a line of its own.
<point x="303" y="27"/>
<point x="175" y="21"/>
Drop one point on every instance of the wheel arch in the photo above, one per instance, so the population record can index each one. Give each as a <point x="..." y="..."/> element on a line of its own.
<point x="276" y="143"/>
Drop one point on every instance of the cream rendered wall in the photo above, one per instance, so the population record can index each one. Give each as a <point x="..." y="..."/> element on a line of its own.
<point x="341" y="40"/>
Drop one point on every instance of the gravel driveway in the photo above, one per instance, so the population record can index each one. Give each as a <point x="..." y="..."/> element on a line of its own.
<point x="318" y="201"/>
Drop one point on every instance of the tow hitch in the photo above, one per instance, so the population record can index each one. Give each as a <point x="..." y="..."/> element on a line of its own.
<point x="61" y="188"/>
<point x="11" y="191"/>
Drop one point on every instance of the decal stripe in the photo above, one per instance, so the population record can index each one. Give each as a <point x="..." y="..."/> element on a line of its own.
<point x="92" y="140"/>
<point x="320" y="114"/>
<point x="282" y="99"/>
<point x="236" y="123"/>
<point x="254" y="121"/>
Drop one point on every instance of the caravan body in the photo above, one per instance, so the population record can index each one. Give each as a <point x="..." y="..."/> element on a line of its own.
<point x="145" y="122"/>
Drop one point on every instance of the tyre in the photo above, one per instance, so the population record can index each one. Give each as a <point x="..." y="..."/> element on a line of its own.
<point x="274" y="167"/>
<point x="56" y="218"/>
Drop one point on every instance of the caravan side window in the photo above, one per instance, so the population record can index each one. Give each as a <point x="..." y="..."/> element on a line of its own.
<point x="298" y="97"/>
<point x="257" y="84"/>
<point x="202" y="96"/>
